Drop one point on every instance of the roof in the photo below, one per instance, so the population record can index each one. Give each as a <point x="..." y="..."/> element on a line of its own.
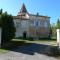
<point x="20" y="17"/>
<point x="22" y="14"/>
<point x="39" y="15"/>
<point x="23" y="9"/>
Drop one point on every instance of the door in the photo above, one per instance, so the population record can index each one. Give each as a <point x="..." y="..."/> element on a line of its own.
<point x="24" y="34"/>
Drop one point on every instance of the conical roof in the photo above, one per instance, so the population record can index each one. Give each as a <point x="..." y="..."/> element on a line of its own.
<point x="23" y="9"/>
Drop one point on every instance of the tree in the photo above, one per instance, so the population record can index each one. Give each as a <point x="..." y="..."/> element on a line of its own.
<point x="0" y="16"/>
<point x="1" y="11"/>
<point x="53" y="28"/>
<point x="58" y="24"/>
<point x="8" y="29"/>
<point x="50" y="33"/>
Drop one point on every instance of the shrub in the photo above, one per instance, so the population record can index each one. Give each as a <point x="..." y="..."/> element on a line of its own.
<point x="53" y="51"/>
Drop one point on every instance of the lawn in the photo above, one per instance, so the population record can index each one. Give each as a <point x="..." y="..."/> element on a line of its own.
<point x="48" y="42"/>
<point x="17" y="42"/>
<point x="3" y="50"/>
<point x="51" y="50"/>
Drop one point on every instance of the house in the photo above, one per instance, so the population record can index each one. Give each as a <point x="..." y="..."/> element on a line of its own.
<point x="30" y="25"/>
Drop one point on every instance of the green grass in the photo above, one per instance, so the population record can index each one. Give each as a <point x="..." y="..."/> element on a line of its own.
<point x="3" y="50"/>
<point x="46" y="41"/>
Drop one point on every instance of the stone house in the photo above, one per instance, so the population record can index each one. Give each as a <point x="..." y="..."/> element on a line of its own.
<point x="30" y="25"/>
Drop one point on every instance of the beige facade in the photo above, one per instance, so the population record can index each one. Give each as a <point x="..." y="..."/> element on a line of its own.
<point x="29" y="25"/>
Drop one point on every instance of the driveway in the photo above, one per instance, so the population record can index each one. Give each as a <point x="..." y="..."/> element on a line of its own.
<point x="28" y="52"/>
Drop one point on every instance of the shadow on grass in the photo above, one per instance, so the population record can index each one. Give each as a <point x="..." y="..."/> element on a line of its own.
<point x="32" y="48"/>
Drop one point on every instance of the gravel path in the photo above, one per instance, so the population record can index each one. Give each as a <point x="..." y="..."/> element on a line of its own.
<point x="32" y="52"/>
<point x="19" y="56"/>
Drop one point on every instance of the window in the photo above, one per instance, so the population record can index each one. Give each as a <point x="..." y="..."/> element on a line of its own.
<point x="45" y="24"/>
<point x="37" y="23"/>
<point x="31" y="22"/>
<point x="18" y="24"/>
<point x="24" y="24"/>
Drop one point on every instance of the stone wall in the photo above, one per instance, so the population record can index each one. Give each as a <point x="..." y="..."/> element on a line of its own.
<point x="29" y="26"/>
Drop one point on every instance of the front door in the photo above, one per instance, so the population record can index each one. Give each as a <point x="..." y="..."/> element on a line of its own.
<point x="24" y="35"/>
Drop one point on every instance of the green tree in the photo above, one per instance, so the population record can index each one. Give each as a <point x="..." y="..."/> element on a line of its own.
<point x="58" y="24"/>
<point x="53" y="28"/>
<point x="0" y="16"/>
<point x="1" y="11"/>
<point x="8" y="29"/>
<point x="50" y="33"/>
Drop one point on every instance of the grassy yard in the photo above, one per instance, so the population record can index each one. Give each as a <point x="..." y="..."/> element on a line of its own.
<point x="49" y="42"/>
<point x="16" y="42"/>
<point x="51" y="50"/>
<point x="3" y="50"/>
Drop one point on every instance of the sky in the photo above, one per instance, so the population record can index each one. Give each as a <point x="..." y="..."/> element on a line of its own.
<point x="49" y="8"/>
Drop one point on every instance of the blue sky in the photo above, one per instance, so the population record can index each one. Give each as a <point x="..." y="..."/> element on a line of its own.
<point x="43" y="7"/>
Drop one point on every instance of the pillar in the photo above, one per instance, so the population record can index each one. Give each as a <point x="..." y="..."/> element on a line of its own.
<point x="58" y="37"/>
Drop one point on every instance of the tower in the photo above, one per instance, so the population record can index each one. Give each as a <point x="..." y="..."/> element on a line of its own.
<point x="23" y="10"/>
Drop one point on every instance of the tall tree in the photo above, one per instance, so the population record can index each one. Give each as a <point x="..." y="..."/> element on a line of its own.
<point x="1" y="11"/>
<point x="8" y="29"/>
<point x="0" y="16"/>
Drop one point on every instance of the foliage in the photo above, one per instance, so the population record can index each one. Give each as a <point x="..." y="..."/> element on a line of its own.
<point x="22" y="38"/>
<point x="54" y="27"/>
<point x="58" y="24"/>
<point x="50" y="33"/>
<point x="54" y="51"/>
<point x="8" y="29"/>
<point x="1" y="11"/>
<point x="3" y="51"/>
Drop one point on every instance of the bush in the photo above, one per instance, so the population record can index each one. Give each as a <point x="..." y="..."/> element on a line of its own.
<point x="28" y="38"/>
<point x="53" y="51"/>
